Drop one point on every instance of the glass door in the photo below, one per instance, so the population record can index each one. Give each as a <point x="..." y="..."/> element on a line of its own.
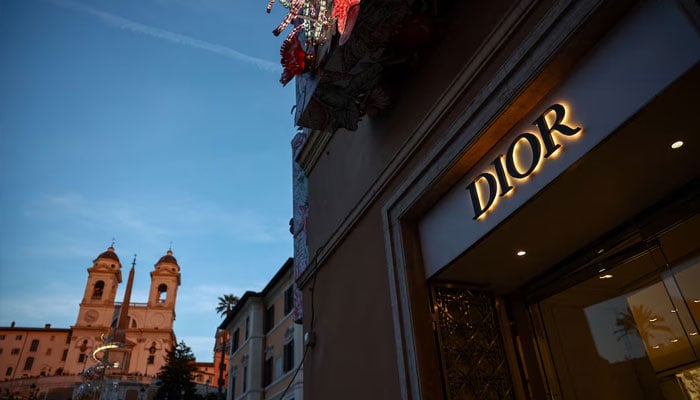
<point x="627" y="331"/>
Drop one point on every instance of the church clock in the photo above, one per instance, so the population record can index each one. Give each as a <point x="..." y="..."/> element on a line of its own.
<point x="91" y="316"/>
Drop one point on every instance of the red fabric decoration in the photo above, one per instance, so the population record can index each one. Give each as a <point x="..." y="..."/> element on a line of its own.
<point x="295" y="61"/>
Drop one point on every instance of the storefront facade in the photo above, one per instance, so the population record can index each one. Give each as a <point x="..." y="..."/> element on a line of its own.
<point x="530" y="230"/>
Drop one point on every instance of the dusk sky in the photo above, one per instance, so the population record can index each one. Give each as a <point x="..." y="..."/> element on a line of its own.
<point x="151" y="122"/>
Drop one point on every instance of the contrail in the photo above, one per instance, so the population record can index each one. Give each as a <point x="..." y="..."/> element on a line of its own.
<point x="136" y="27"/>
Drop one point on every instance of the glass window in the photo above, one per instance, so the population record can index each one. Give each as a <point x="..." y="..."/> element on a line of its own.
<point x="14" y="351"/>
<point x="288" y="356"/>
<point x="247" y="327"/>
<point x="288" y="300"/>
<point x="234" y="340"/>
<point x="64" y="357"/>
<point x="28" y="363"/>
<point x="34" y="346"/>
<point x="267" y="371"/>
<point x="269" y="318"/>
<point x="8" y="371"/>
<point x="625" y="333"/>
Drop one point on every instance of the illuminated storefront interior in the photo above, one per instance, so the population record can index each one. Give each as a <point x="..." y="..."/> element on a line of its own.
<point x="599" y="273"/>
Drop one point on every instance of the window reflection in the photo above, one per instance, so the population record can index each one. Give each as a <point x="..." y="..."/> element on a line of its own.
<point x="633" y="336"/>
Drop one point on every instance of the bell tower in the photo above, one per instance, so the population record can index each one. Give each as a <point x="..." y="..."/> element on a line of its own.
<point x="165" y="278"/>
<point x="97" y="306"/>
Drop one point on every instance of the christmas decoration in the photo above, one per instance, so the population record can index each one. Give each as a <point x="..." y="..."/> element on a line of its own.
<point x="345" y="13"/>
<point x="294" y="59"/>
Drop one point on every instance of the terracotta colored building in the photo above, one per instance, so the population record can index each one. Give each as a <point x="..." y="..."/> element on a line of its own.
<point x="266" y="344"/>
<point x="501" y="200"/>
<point x="52" y="358"/>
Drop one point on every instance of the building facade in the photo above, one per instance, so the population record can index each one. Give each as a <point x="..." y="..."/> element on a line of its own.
<point x="26" y="352"/>
<point x="265" y="343"/>
<point x="53" y="359"/>
<point x="511" y="209"/>
<point x="148" y="329"/>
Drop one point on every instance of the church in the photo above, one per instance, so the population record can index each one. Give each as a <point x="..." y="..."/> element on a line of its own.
<point x="37" y="362"/>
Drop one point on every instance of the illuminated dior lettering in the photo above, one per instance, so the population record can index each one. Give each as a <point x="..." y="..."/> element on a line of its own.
<point x="484" y="187"/>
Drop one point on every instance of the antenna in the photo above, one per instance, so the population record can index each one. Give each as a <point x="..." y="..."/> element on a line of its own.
<point x="133" y="263"/>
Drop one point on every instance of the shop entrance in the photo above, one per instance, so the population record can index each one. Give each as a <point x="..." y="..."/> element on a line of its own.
<point x="593" y="282"/>
<point x="629" y="328"/>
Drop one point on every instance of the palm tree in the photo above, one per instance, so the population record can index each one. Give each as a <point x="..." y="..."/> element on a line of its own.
<point x="641" y="321"/>
<point x="226" y="304"/>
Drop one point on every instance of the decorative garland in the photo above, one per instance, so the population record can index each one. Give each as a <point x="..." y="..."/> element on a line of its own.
<point x="311" y="17"/>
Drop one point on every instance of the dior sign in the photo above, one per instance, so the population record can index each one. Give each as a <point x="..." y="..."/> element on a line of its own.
<point x="524" y="155"/>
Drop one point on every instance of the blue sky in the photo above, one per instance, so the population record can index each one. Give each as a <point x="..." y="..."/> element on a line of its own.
<point x="149" y="122"/>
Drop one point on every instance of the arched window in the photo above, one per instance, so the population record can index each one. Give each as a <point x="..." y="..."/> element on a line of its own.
<point x="162" y="292"/>
<point x="34" y="346"/>
<point x="98" y="289"/>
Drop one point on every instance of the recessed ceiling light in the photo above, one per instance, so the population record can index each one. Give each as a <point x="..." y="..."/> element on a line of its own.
<point x="601" y="251"/>
<point x="601" y="270"/>
<point x="674" y="310"/>
<point x="521" y="253"/>
<point x="677" y="144"/>
<point x="655" y="347"/>
<point x="653" y="320"/>
<point x="674" y="340"/>
<point x="606" y="276"/>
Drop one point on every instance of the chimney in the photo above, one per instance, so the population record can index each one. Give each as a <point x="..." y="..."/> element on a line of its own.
<point x="47" y="326"/>
<point x="12" y="325"/>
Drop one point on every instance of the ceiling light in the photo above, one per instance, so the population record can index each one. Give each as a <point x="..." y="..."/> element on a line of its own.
<point x="655" y="347"/>
<point x="674" y="340"/>
<point x="696" y="301"/>
<point x="606" y="276"/>
<point x="601" y="251"/>
<point x="653" y="320"/>
<point x="677" y="144"/>
<point x="673" y="311"/>
<point x="693" y="333"/>
<point x="601" y="270"/>
<point x="521" y="253"/>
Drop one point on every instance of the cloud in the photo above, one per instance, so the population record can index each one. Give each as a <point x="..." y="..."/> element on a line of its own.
<point x="132" y="26"/>
<point x="57" y="305"/>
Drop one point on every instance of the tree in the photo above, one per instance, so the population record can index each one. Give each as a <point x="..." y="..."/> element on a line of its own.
<point x="175" y="377"/>
<point x="226" y="304"/>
